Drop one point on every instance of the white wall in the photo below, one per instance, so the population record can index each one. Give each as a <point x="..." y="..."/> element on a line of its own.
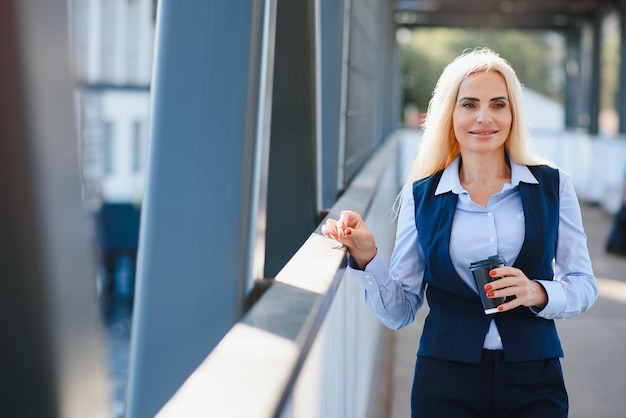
<point x="597" y="165"/>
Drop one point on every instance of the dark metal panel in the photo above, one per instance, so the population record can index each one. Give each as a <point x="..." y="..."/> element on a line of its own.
<point x="203" y="206"/>
<point x="51" y="360"/>
<point x="292" y="206"/>
<point x="367" y="107"/>
<point x="332" y="51"/>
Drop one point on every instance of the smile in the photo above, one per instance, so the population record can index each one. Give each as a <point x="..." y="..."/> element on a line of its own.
<point x="490" y="132"/>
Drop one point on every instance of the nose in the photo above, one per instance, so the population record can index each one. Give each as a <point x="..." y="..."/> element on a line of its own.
<point x="484" y="115"/>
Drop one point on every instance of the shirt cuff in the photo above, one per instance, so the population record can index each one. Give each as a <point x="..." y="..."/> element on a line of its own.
<point x="557" y="301"/>
<point x="373" y="275"/>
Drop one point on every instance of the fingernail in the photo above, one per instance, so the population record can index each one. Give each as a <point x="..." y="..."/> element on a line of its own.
<point x="490" y="294"/>
<point x="500" y="308"/>
<point x="349" y="232"/>
<point x="492" y="273"/>
<point x="488" y="287"/>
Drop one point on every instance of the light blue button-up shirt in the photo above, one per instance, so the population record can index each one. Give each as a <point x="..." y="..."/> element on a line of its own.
<point x="395" y="294"/>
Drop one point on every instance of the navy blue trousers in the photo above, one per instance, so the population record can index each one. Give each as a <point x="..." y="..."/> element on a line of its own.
<point x="489" y="389"/>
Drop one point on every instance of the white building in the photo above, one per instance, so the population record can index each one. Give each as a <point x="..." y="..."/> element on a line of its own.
<point x="113" y="44"/>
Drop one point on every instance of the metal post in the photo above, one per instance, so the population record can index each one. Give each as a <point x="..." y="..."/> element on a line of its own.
<point x="596" y="86"/>
<point x="622" y="70"/>
<point x="204" y="206"/>
<point x="573" y="64"/>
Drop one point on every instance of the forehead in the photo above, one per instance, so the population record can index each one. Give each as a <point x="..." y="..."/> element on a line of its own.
<point x="485" y="83"/>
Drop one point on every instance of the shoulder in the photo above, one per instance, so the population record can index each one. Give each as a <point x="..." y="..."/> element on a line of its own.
<point x="547" y="175"/>
<point x="427" y="182"/>
<point x="555" y="180"/>
<point x="544" y="170"/>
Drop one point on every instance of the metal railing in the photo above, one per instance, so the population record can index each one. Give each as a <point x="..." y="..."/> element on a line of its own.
<point x="253" y="370"/>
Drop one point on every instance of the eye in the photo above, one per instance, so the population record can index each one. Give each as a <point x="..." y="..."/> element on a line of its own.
<point x="468" y="105"/>
<point x="499" y="105"/>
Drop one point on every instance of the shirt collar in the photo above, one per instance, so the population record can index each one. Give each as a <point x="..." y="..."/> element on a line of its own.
<point x="450" y="181"/>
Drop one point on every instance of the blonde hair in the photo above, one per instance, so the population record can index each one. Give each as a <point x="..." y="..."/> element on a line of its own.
<point x="438" y="146"/>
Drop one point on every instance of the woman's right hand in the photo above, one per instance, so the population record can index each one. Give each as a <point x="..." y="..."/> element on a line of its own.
<point x="351" y="231"/>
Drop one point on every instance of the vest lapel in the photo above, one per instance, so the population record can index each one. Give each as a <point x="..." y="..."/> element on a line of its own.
<point x="439" y="225"/>
<point x="442" y="228"/>
<point x="533" y="245"/>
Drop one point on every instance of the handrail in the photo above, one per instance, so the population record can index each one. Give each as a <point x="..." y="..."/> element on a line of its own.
<point x="262" y="355"/>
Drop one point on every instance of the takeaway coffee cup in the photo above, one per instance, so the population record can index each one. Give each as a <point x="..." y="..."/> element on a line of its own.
<point x="480" y="271"/>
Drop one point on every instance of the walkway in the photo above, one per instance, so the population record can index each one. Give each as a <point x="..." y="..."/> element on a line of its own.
<point x="594" y="343"/>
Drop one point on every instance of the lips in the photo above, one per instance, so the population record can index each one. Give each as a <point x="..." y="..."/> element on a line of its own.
<point x="484" y="132"/>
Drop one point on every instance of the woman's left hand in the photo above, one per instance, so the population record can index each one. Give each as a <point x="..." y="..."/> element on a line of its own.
<point x="514" y="282"/>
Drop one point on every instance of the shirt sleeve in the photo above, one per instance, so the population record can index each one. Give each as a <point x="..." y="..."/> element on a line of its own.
<point x="395" y="294"/>
<point x="573" y="289"/>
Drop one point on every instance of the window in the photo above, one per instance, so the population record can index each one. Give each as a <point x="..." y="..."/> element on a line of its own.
<point x="137" y="147"/>
<point x="108" y="147"/>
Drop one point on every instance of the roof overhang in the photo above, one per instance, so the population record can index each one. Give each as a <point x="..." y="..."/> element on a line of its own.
<point x="526" y="14"/>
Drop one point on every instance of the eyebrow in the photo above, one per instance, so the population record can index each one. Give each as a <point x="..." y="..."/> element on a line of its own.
<point x="474" y="99"/>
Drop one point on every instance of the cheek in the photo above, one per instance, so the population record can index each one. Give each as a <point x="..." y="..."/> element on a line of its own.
<point x="507" y="120"/>
<point x="457" y="121"/>
<point x="508" y="125"/>
<point x="456" y="130"/>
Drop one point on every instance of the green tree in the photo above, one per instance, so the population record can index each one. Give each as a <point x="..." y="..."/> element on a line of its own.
<point x="537" y="58"/>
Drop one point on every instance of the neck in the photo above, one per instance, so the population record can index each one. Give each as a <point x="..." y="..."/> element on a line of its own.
<point x="484" y="168"/>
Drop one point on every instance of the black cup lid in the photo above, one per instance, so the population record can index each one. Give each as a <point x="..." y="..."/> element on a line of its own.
<point x="494" y="260"/>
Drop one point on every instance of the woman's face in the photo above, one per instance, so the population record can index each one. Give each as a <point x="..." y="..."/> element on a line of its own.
<point x="482" y="114"/>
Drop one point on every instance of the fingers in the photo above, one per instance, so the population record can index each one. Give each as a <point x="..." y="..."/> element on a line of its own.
<point x="343" y="227"/>
<point x="517" y="287"/>
<point x="351" y="231"/>
<point x="505" y="277"/>
<point x="334" y="229"/>
<point x="349" y="219"/>
<point x="328" y="227"/>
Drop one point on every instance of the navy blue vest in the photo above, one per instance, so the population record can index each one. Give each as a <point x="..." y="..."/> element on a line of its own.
<point x="456" y="325"/>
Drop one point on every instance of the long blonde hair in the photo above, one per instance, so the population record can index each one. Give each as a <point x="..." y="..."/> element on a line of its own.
<point x="438" y="146"/>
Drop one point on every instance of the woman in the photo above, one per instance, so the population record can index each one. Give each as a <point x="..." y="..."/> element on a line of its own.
<point x="475" y="190"/>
